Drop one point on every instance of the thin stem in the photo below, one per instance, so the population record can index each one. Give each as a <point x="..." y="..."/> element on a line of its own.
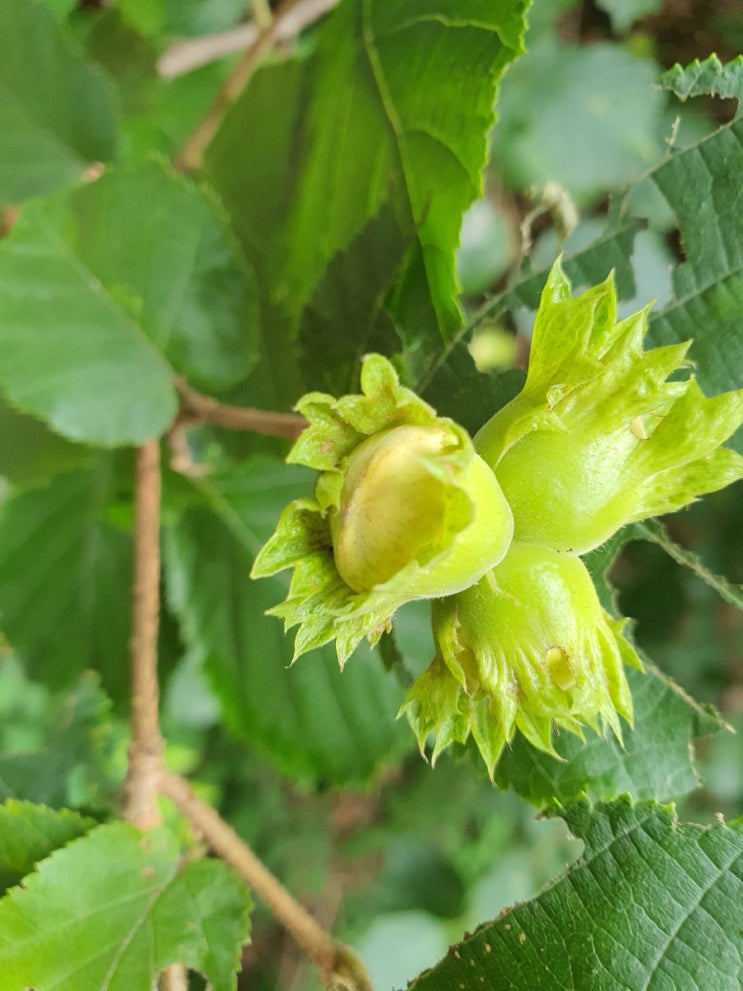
<point x="175" y="978"/>
<point x="208" y="410"/>
<point x="261" y="12"/>
<point x="191" y="154"/>
<point x="185" y="56"/>
<point x="145" y="751"/>
<point x="338" y="964"/>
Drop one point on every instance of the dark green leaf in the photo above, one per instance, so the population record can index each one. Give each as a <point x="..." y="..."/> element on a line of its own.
<point x="707" y="78"/>
<point x="126" y="57"/>
<point x="313" y="722"/>
<point x="656" y="761"/>
<point x="111" y="291"/>
<point x="652" y="903"/>
<point x="455" y="388"/>
<point x="65" y="579"/>
<point x="139" y="909"/>
<point x="31" y="454"/>
<point x="654" y="531"/>
<point x="702" y="186"/>
<point x="55" y="111"/>
<point x="69" y="766"/>
<point x="346" y="316"/>
<point x="29" y="833"/>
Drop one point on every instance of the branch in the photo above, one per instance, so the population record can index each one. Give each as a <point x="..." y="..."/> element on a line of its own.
<point x="145" y="751"/>
<point x="339" y="966"/>
<point x="204" y="409"/>
<point x="191" y="154"/>
<point x="185" y="56"/>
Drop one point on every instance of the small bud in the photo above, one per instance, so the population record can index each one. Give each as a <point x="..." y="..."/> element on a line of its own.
<point x="598" y="437"/>
<point x="403" y="509"/>
<point x="528" y="647"/>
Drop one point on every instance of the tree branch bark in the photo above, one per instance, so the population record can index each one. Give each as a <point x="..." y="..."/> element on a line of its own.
<point x="340" y="967"/>
<point x="185" y="56"/>
<point x="146" y="749"/>
<point x="207" y="410"/>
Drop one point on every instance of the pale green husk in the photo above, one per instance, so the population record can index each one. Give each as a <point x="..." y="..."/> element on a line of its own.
<point x="529" y="648"/>
<point x="598" y="422"/>
<point x="319" y="602"/>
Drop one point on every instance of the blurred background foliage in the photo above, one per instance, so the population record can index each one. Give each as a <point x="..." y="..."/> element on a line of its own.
<point x="403" y="866"/>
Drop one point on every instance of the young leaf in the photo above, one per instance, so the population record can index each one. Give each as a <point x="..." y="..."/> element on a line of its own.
<point x="108" y="293"/>
<point x="392" y="106"/>
<point x="313" y="722"/>
<point x="652" y="903"/>
<point x="65" y="579"/>
<point x="56" y="116"/>
<point x="656" y="760"/>
<point x="114" y="908"/>
<point x="29" y="833"/>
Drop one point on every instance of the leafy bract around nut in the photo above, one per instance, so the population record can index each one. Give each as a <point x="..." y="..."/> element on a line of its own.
<point x="403" y="509"/>
<point x="528" y="647"/>
<point x="599" y="437"/>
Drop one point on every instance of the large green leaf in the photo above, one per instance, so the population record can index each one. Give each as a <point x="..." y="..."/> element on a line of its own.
<point x="587" y="117"/>
<point x="109" y="292"/>
<point x="65" y="579"/>
<point x="55" y="111"/>
<point x="392" y="106"/>
<point x="702" y="186"/>
<point x="313" y="722"/>
<point x="651" y="904"/>
<point x="656" y="760"/>
<point x="29" y="833"/>
<point x="114" y="908"/>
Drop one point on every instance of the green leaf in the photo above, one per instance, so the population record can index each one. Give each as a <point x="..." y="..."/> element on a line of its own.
<point x="69" y="765"/>
<point x="346" y="316"/>
<point x="29" y="833"/>
<point x="313" y="722"/>
<point x="60" y="8"/>
<point x="654" y="531"/>
<point x="65" y="579"/>
<point x="585" y="117"/>
<point x="55" y="111"/>
<point x="652" y="903"/>
<point x="701" y="184"/>
<point x="31" y="454"/>
<point x="392" y="106"/>
<point x="707" y="78"/>
<point x="111" y="291"/>
<point x="455" y="388"/>
<point x="656" y="760"/>
<point x="114" y="908"/>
